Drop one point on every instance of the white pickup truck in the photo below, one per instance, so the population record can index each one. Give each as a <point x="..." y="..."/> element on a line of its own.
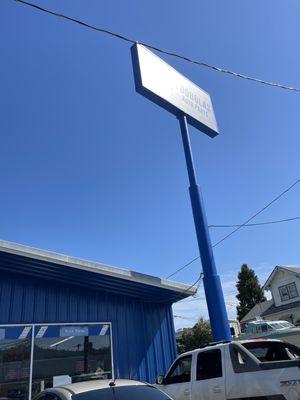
<point x="250" y="370"/>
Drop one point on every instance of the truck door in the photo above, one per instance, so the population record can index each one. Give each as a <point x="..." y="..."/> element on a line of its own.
<point x="177" y="382"/>
<point x="209" y="380"/>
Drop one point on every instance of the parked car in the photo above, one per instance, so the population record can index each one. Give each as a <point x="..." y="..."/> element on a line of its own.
<point x="120" y="389"/>
<point x="250" y="369"/>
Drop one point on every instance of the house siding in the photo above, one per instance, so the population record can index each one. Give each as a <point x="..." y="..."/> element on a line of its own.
<point x="283" y="277"/>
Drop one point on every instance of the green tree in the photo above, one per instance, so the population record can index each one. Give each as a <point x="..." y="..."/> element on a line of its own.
<point x="195" y="337"/>
<point x="250" y="292"/>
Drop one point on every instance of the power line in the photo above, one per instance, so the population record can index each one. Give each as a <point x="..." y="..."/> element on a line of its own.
<point x="200" y="298"/>
<point x="238" y="227"/>
<point x="183" y="267"/>
<point x="257" y="224"/>
<point x="257" y="213"/>
<point x="194" y="284"/>
<point x="197" y="282"/>
<point x="234" y="226"/>
<point x="182" y="317"/>
<point x="169" y="53"/>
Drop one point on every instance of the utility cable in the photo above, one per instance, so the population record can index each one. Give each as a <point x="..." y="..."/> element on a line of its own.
<point x="196" y="283"/>
<point x="256" y="224"/>
<point x="257" y="213"/>
<point x="238" y="227"/>
<point x="169" y="53"/>
<point x="183" y="267"/>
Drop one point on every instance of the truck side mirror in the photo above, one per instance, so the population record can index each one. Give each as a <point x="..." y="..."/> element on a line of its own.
<point x="160" y="380"/>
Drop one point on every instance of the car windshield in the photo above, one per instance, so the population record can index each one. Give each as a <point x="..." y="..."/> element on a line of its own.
<point x="281" y="325"/>
<point x="133" y="392"/>
<point x="269" y="351"/>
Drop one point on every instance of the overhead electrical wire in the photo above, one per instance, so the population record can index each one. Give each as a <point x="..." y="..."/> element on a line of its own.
<point x="182" y="317"/>
<point x="257" y="213"/>
<point x="238" y="227"/>
<point x="194" y="284"/>
<point x="278" y="221"/>
<point x="150" y="46"/>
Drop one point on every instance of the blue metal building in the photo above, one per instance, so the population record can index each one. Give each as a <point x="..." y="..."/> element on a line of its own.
<point x="64" y="319"/>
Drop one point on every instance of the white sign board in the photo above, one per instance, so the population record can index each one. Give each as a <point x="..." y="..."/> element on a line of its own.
<point x="162" y="84"/>
<point x="66" y="331"/>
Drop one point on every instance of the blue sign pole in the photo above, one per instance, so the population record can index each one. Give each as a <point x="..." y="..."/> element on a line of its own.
<point x="211" y="280"/>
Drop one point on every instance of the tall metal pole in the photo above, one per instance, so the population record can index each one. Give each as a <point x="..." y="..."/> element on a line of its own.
<point x="211" y="280"/>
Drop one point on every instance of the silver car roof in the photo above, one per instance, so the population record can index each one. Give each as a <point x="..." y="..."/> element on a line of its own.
<point x="87" y="386"/>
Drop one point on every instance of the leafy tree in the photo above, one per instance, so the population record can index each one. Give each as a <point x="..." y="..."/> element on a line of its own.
<point x="250" y="292"/>
<point x="195" y="337"/>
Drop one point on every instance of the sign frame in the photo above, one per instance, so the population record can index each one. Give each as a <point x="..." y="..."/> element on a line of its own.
<point x="196" y="103"/>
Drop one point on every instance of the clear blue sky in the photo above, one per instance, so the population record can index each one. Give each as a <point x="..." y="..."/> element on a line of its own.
<point x="91" y="169"/>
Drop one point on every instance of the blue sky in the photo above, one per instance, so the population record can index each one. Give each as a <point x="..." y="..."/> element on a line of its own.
<point x="91" y="169"/>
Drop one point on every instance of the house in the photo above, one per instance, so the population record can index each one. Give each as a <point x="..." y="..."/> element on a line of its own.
<point x="284" y="285"/>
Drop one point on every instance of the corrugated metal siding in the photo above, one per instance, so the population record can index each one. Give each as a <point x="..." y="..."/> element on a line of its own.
<point x="143" y="332"/>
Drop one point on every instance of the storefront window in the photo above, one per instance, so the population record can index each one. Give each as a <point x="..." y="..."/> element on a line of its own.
<point x="61" y="354"/>
<point x="15" y="347"/>
<point x="68" y="354"/>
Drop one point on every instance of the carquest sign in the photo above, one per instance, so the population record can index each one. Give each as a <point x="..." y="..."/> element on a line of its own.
<point x="163" y="85"/>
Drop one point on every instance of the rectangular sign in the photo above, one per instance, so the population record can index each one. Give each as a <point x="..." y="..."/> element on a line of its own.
<point x="163" y="85"/>
<point x="66" y="331"/>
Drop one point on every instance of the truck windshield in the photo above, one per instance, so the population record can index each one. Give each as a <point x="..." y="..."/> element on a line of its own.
<point x="268" y="351"/>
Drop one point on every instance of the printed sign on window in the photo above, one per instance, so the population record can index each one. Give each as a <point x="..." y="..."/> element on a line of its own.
<point x="66" y="331"/>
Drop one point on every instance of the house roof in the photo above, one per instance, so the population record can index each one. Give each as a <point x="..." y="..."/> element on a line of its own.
<point x="291" y="268"/>
<point x="296" y="270"/>
<point x="16" y="258"/>
<point x="273" y="309"/>
<point x="257" y="311"/>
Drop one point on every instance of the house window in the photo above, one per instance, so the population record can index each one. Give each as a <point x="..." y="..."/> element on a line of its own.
<point x="288" y="292"/>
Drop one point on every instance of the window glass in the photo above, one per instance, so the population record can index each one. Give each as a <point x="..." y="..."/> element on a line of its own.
<point x="284" y="294"/>
<point x="280" y="325"/>
<point x="288" y="291"/>
<point x="15" y="347"/>
<point x="137" y="392"/>
<point x="264" y="327"/>
<point x="287" y="325"/>
<point x="181" y="371"/>
<point x="293" y="292"/>
<point x="68" y="354"/>
<point x="258" y="329"/>
<point x="273" y="351"/>
<point x="209" y="364"/>
<point x="240" y="357"/>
